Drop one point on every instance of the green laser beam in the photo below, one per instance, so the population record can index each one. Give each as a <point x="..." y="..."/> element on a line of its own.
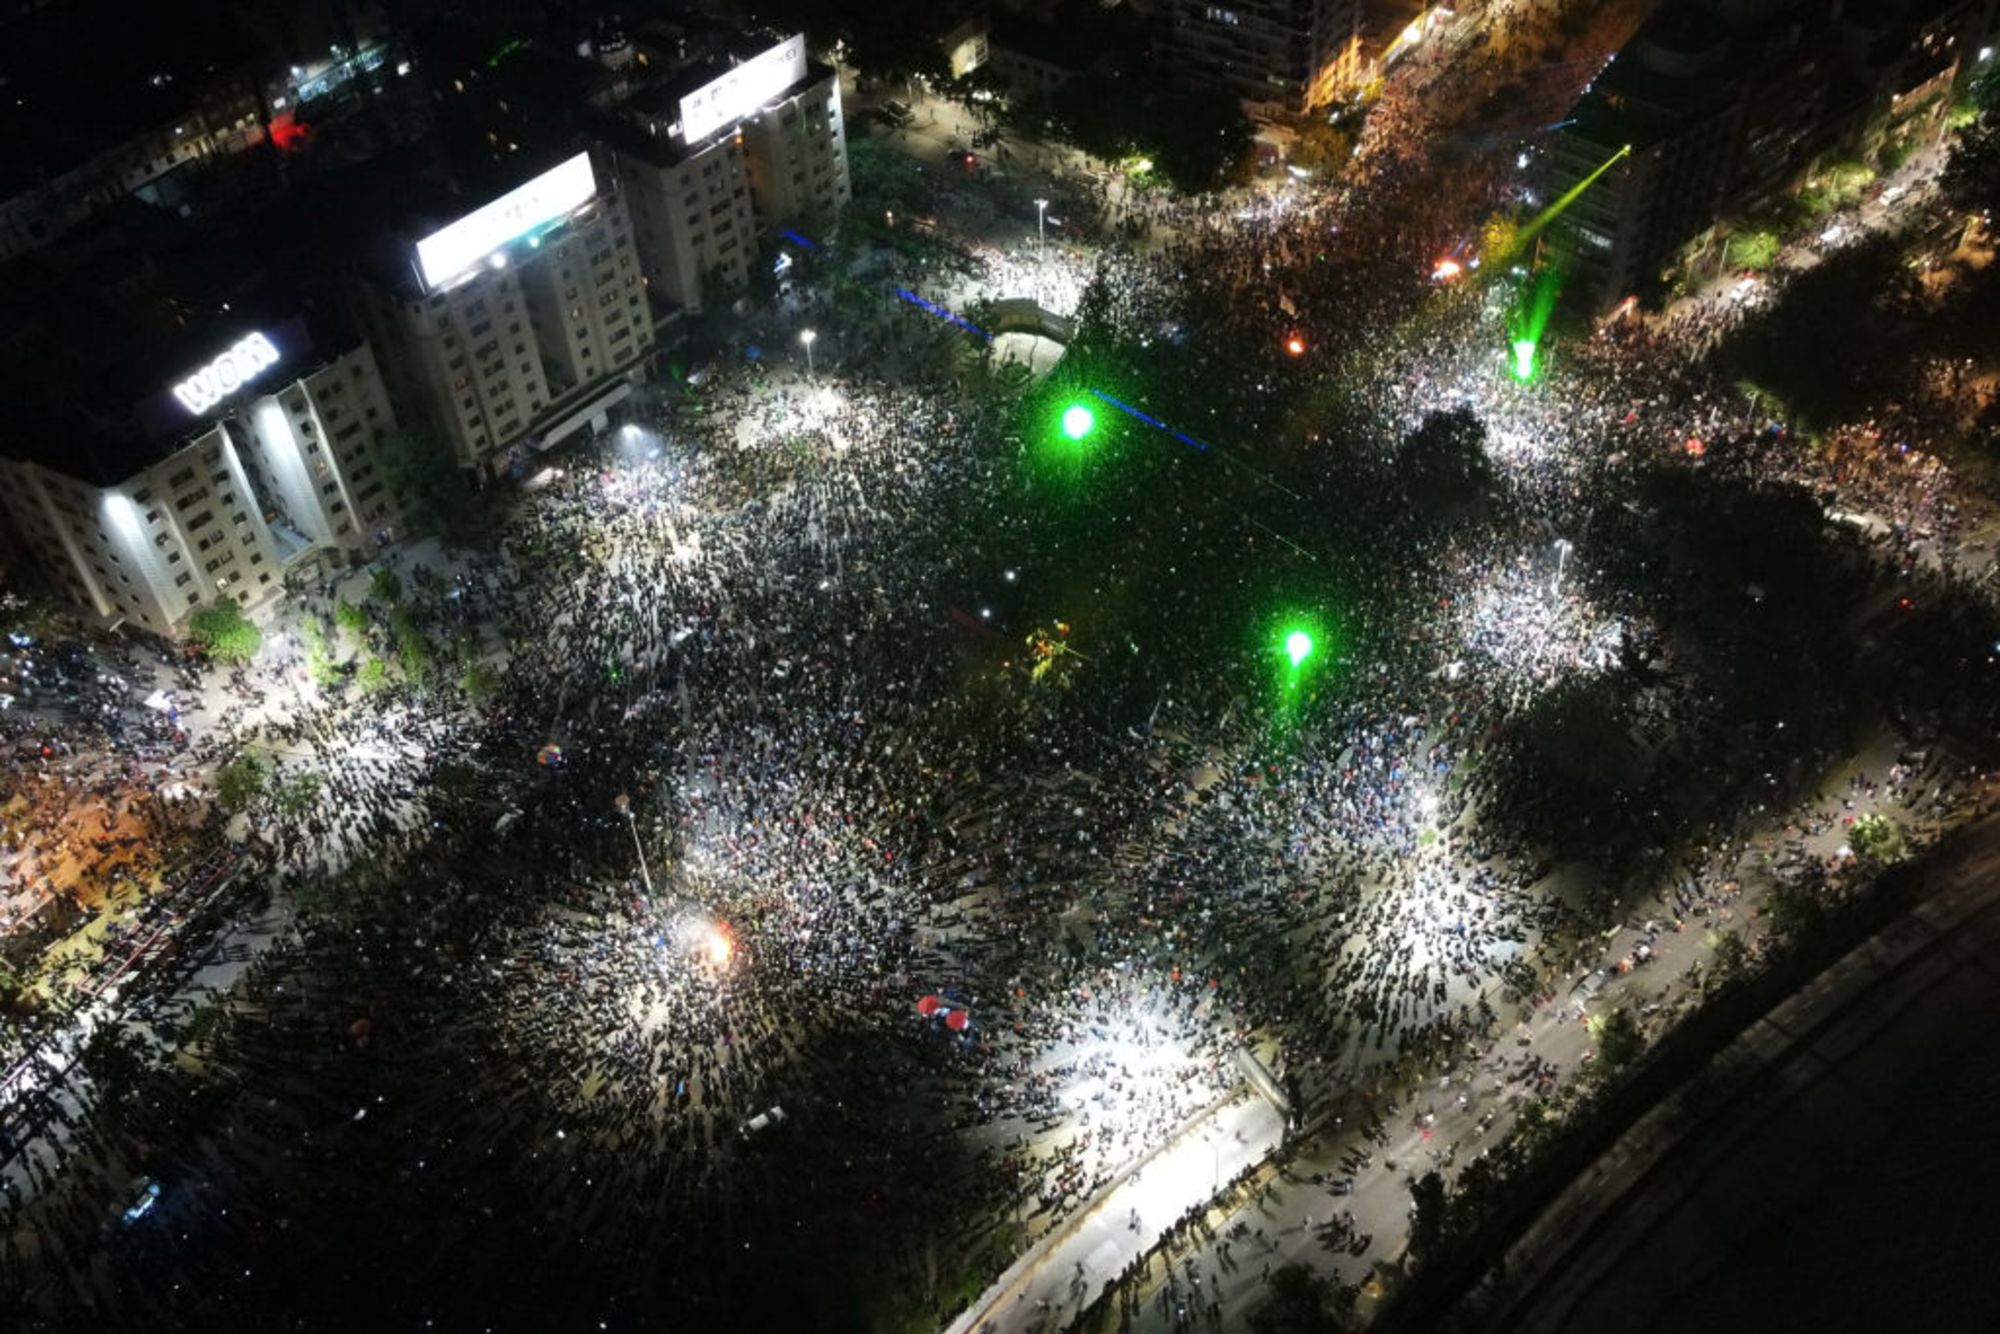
<point x="1549" y="214"/>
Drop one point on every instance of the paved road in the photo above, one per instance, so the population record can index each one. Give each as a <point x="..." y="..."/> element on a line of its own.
<point x="1832" y="1170"/>
<point x="1048" y="1287"/>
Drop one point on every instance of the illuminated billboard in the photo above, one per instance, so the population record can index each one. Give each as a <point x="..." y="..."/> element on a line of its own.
<point x="246" y="359"/>
<point x="744" y="90"/>
<point x="480" y="234"/>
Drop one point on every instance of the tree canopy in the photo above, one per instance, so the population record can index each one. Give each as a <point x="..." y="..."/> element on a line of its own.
<point x="225" y="632"/>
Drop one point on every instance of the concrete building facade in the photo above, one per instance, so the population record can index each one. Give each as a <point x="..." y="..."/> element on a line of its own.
<point x="769" y="151"/>
<point x="534" y="339"/>
<point x="1281" y="55"/>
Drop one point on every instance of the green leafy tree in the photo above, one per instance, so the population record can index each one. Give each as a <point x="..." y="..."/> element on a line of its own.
<point x="1427" y="1216"/>
<point x="1443" y="463"/>
<point x="1877" y="840"/>
<point x="478" y="682"/>
<point x="437" y="493"/>
<point x="373" y="677"/>
<point x="1754" y="248"/>
<point x="241" y="781"/>
<point x="1321" y="149"/>
<point x="112" y="1059"/>
<point x="885" y="180"/>
<point x="1300" y="1301"/>
<point x="385" y="587"/>
<point x="297" y="792"/>
<point x="413" y="653"/>
<point x="225" y="632"/>
<point x="1619" y="1040"/>
<point x="1728" y="955"/>
<point x="353" y="621"/>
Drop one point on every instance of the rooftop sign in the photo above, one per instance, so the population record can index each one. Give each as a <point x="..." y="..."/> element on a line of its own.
<point x="249" y="357"/>
<point x="451" y="251"/>
<point x="744" y="90"/>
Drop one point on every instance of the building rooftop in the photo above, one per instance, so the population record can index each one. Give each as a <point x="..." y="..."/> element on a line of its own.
<point x="97" y="332"/>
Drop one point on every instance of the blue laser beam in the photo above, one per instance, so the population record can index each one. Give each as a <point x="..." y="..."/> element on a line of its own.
<point x="941" y="313"/>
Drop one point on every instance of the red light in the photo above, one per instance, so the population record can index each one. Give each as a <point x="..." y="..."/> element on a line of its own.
<point x="1295" y="345"/>
<point x="287" y="133"/>
<point x="1695" y="447"/>
<point x="1446" y="270"/>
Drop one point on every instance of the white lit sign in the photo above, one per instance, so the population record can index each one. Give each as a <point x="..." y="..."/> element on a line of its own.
<point x="450" y="251"/>
<point x="252" y="355"/>
<point x="743" y="90"/>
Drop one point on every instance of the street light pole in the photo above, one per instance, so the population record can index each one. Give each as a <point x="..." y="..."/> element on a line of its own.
<point x="807" y="336"/>
<point x="1562" y="555"/>
<point x="1041" y="244"/>
<point x="624" y="804"/>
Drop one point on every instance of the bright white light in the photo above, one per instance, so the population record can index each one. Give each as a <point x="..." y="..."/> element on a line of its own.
<point x="718" y="947"/>
<point x="450" y="251"/>
<point x="249" y="357"/>
<point x="806" y="336"/>
<point x="744" y="90"/>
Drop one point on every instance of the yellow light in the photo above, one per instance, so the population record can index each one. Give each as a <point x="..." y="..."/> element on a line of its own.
<point x="719" y="948"/>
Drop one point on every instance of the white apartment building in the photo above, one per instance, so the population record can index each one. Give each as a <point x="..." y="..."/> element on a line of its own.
<point x="691" y="217"/>
<point x="153" y="548"/>
<point x="148" y="529"/>
<point x="712" y="154"/>
<point x="313" y="450"/>
<point x="518" y="323"/>
<point x="795" y="151"/>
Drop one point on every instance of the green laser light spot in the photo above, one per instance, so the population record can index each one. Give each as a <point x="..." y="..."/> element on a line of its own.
<point x="1077" y="421"/>
<point x="1298" y="646"/>
<point x="1524" y="359"/>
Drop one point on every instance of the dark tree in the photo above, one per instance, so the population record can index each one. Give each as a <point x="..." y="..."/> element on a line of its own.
<point x="1301" y="1302"/>
<point x="1443" y="463"/>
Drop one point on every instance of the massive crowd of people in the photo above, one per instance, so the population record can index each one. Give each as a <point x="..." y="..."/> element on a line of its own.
<point x="765" y="889"/>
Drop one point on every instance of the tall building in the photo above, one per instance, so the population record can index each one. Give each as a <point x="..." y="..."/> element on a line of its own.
<point x="714" y="152"/>
<point x="516" y="325"/>
<point x="1282" y="55"/>
<point x="257" y="451"/>
<point x="1724" y="104"/>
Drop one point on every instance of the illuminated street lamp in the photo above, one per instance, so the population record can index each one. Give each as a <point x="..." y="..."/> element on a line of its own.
<point x="807" y="336"/>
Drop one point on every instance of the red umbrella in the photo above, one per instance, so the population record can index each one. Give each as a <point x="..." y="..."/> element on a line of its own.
<point x="929" y="1006"/>
<point x="957" y="1020"/>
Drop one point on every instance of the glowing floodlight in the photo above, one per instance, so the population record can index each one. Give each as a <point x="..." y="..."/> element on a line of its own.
<point x="1078" y="421"/>
<point x="1524" y="359"/>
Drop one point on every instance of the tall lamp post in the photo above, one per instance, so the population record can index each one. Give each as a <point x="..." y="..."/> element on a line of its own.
<point x="1041" y="244"/>
<point x="807" y="336"/>
<point x="624" y="805"/>
<point x="1563" y="549"/>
